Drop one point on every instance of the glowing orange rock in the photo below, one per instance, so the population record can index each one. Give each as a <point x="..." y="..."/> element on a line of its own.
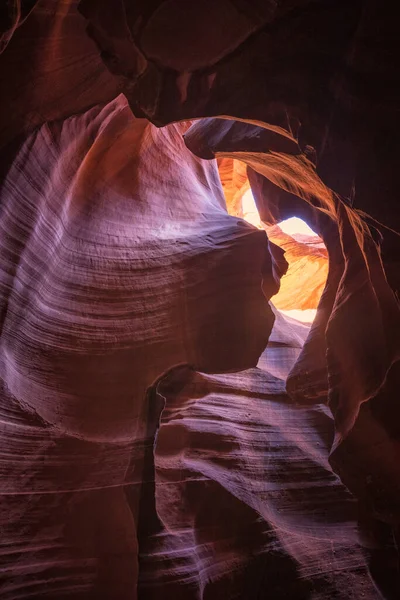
<point x="302" y="286"/>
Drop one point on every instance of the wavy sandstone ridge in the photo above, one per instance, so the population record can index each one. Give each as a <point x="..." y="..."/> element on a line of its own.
<point x="164" y="432"/>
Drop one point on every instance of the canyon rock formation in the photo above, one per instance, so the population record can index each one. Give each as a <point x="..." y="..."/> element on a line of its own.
<point x="165" y="431"/>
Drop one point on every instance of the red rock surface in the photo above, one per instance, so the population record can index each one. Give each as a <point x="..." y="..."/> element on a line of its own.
<point x="115" y="261"/>
<point x="235" y="183"/>
<point x="152" y="444"/>
<point x="303" y="284"/>
<point x="303" y="280"/>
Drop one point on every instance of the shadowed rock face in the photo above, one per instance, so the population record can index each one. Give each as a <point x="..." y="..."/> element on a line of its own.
<point x="144" y="454"/>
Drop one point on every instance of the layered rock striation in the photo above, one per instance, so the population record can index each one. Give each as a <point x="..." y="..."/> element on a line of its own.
<point x="144" y="452"/>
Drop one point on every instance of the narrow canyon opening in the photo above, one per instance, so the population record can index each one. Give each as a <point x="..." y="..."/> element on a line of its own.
<point x="295" y="305"/>
<point x="302" y="285"/>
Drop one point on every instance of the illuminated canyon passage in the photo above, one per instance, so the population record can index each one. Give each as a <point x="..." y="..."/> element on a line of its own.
<point x="199" y="300"/>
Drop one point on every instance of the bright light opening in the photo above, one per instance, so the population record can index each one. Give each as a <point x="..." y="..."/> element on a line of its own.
<point x="306" y="315"/>
<point x="294" y="226"/>
<point x="302" y="286"/>
<point x="250" y="212"/>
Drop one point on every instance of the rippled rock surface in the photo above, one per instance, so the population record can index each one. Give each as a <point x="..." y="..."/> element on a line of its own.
<point x="144" y="454"/>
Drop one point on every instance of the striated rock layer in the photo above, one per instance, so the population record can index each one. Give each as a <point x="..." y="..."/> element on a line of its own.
<point x="246" y="503"/>
<point x="117" y="252"/>
<point x="131" y="466"/>
<point x="355" y="339"/>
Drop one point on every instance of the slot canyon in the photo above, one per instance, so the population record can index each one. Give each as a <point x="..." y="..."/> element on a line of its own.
<point x="199" y="300"/>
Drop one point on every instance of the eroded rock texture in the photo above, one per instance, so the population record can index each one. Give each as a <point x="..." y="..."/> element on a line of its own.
<point x="303" y="284"/>
<point x="103" y="290"/>
<point x="144" y="452"/>
<point x="235" y="183"/>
